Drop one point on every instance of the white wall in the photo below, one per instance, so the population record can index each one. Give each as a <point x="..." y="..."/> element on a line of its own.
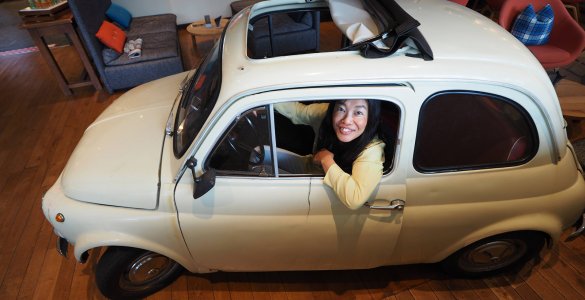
<point x="187" y="11"/>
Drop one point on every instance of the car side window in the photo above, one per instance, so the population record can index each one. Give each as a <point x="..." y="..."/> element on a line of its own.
<point x="245" y="147"/>
<point x="459" y="131"/>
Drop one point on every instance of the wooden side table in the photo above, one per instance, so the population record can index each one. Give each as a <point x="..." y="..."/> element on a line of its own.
<point x="198" y="28"/>
<point x="62" y="25"/>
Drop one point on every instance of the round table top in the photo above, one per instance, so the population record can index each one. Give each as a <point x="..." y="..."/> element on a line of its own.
<point x="198" y="27"/>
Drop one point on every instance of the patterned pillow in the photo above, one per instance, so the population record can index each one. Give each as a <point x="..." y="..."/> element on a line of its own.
<point x="111" y="36"/>
<point x="534" y="28"/>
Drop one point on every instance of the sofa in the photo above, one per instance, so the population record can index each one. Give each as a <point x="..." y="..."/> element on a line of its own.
<point x="160" y="55"/>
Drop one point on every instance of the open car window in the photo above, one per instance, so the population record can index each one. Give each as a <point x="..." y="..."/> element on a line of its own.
<point x="244" y="149"/>
<point x="257" y="136"/>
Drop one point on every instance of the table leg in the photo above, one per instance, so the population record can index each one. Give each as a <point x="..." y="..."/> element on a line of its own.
<point x="72" y="35"/>
<point x="194" y="42"/>
<point x="48" y="56"/>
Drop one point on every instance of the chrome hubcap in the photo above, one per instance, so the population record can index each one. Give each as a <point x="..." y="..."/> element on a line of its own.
<point x="493" y="255"/>
<point x="148" y="267"/>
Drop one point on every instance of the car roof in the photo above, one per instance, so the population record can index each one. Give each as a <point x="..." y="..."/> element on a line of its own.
<point x="467" y="48"/>
<point x="465" y="44"/>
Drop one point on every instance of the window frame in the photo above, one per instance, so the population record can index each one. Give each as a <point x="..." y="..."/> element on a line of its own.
<point x="233" y="123"/>
<point x="399" y="123"/>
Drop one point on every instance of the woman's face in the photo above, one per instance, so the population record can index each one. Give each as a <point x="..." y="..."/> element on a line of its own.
<point x="350" y="118"/>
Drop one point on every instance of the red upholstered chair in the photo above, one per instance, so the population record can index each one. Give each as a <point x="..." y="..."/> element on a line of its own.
<point x="567" y="38"/>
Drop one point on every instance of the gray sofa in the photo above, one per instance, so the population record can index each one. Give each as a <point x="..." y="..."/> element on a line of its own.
<point x="160" y="57"/>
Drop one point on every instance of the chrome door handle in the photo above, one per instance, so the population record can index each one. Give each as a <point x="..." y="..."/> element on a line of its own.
<point x="396" y="204"/>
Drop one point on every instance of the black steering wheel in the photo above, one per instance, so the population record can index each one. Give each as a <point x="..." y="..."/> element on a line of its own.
<point x="245" y="141"/>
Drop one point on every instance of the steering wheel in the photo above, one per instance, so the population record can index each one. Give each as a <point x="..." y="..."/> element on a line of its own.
<point x="250" y="148"/>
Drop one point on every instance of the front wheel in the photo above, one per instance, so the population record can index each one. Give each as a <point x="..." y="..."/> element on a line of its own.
<point x="494" y="254"/>
<point x="126" y="273"/>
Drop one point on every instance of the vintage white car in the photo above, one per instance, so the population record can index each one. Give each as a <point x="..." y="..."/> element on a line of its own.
<point x="180" y="173"/>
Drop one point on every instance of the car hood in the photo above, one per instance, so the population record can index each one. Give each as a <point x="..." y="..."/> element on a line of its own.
<point x="117" y="160"/>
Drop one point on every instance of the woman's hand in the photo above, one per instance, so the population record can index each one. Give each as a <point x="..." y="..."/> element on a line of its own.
<point x="324" y="157"/>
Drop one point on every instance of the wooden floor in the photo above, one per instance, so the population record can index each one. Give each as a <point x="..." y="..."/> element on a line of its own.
<point x="39" y="128"/>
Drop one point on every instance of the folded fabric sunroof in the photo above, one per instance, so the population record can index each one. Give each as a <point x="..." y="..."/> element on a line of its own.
<point x="378" y="28"/>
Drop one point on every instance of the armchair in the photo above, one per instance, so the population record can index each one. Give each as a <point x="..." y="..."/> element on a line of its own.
<point x="567" y="38"/>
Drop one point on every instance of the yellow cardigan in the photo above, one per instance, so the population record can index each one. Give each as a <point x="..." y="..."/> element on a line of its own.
<point x="366" y="171"/>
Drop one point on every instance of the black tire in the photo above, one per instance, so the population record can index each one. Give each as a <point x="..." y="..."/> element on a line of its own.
<point x="494" y="254"/>
<point x="128" y="273"/>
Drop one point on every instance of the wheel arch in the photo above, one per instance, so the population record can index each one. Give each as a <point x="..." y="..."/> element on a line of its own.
<point x="549" y="226"/>
<point x="178" y="253"/>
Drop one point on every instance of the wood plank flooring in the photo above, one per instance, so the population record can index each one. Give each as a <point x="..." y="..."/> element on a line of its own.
<point x="39" y="128"/>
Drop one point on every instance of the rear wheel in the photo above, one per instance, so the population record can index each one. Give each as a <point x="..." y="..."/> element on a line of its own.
<point x="494" y="254"/>
<point x="126" y="273"/>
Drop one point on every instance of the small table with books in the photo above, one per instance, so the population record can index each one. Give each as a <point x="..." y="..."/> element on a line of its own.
<point x="199" y="28"/>
<point x="40" y="26"/>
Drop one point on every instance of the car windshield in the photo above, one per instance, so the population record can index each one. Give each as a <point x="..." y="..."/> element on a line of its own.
<point x="197" y="101"/>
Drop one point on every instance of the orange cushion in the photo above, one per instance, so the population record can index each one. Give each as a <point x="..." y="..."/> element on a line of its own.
<point x="111" y="36"/>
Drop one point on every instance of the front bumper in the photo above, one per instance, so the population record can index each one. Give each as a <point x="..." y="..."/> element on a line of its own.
<point x="63" y="249"/>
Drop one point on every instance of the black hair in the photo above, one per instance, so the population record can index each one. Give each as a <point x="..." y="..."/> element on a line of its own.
<point x="345" y="154"/>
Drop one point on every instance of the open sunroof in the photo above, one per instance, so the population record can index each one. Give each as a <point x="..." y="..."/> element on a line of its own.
<point x="379" y="28"/>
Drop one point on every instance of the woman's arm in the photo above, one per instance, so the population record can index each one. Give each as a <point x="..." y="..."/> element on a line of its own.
<point x="303" y="114"/>
<point x="355" y="189"/>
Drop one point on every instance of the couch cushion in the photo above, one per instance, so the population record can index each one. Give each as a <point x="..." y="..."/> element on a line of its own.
<point x="154" y="46"/>
<point x="111" y="36"/>
<point x="119" y="15"/>
<point x="153" y="24"/>
<point x="109" y="55"/>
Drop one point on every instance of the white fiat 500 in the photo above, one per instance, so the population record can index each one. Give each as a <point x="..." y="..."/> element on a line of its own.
<point x="187" y="172"/>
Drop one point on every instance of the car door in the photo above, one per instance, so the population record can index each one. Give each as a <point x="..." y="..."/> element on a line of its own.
<point x="366" y="237"/>
<point x="250" y="219"/>
<point x="262" y="218"/>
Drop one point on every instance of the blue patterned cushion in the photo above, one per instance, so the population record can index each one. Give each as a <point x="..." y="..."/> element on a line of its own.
<point x="119" y="15"/>
<point x="534" y="28"/>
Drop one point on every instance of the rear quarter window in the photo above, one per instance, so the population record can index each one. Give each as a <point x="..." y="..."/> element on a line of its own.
<point x="462" y="131"/>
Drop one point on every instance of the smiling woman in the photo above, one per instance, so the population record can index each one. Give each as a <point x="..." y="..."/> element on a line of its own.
<point x="347" y="147"/>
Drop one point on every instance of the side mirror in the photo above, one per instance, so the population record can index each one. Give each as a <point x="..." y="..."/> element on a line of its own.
<point x="203" y="183"/>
